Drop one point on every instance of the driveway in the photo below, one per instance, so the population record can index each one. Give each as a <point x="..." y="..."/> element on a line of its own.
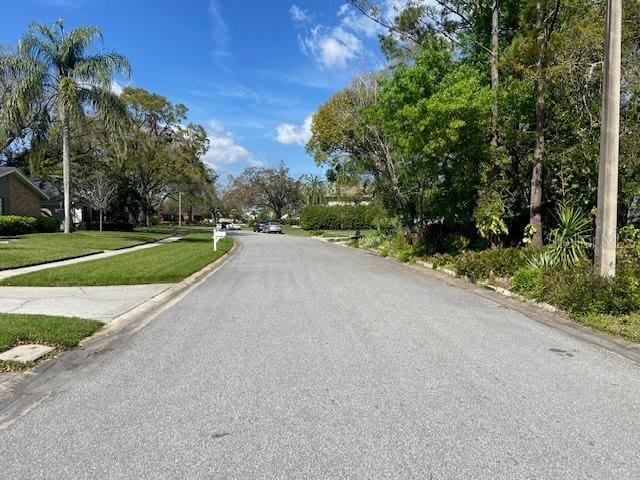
<point x="305" y="360"/>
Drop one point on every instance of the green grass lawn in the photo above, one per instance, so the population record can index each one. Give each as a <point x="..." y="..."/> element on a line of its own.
<point x="46" y="247"/>
<point x="162" y="264"/>
<point x="60" y="332"/>
<point x="289" y="230"/>
<point x="624" y="326"/>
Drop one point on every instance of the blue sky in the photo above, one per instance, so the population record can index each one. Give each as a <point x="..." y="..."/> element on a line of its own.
<point x="251" y="71"/>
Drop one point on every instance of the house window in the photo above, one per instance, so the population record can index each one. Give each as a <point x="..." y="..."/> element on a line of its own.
<point x="1" y="206"/>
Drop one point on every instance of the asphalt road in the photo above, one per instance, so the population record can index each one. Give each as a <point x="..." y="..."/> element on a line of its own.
<point x="303" y="360"/>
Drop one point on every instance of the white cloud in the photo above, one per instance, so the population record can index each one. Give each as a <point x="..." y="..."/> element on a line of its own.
<point x="337" y="46"/>
<point x="332" y="48"/>
<point x="289" y="134"/>
<point x="116" y="87"/>
<point x="220" y="31"/>
<point x="298" y="15"/>
<point x="223" y="149"/>
<point x="355" y="21"/>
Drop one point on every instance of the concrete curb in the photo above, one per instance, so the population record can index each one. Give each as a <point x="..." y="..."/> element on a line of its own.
<point x="158" y="303"/>
<point x="486" y="285"/>
<point x="27" y="389"/>
<point x="500" y="290"/>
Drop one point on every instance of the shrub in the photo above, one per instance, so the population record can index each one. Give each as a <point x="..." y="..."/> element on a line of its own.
<point x="501" y="262"/>
<point x="371" y="241"/>
<point x="108" y="226"/>
<point x="17" y="225"/>
<point x="405" y="255"/>
<point x="528" y="282"/>
<point x="630" y="239"/>
<point x="444" y="238"/>
<point x="576" y="290"/>
<point x="338" y="217"/>
<point x="579" y="290"/>
<point x="441" y="260"/>
<point x="47" y="224"/>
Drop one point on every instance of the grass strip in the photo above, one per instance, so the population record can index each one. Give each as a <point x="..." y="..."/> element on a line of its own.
<point x="40" y="248"/>
<point x="624" y="326"/>
<point x="168" y="263"/>
<point x="62" y="333"/>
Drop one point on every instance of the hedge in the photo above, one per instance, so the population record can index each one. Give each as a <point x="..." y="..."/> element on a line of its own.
<point x="501" y="262"/>
<point x="47" y="224"/>
<point x="338" y="217"/>
<point x="19" y="225"/>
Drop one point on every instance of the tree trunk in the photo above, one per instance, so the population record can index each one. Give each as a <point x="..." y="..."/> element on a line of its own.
<point x="495" y="76"/>
<point x="66" y="171"/>
<point x="535" y="204"/>
<point x="101" y="220"/>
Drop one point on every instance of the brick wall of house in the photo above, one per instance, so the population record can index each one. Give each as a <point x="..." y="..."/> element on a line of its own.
<point x="22" y="199"/>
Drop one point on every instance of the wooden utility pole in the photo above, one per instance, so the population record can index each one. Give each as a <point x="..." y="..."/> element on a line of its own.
<point x="605" y="254"/>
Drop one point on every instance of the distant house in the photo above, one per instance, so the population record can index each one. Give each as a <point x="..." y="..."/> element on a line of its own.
<point x="18" y="195"/>
<point x="54" y="205"/>
<point x="347" y="195"/>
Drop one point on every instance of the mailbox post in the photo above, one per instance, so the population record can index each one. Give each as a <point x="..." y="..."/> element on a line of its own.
<point x="217" y="235"/>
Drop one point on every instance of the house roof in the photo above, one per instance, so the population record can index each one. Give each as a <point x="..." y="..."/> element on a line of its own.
<point x="4" y="171"/>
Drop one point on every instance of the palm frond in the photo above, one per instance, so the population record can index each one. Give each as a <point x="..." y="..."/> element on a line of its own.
<point x="75" y="44"/>
<point x="40" y="43"/>
<point x="101" y="68"/>
<point x="105" y="103"/>
<point x="68" y="98"/>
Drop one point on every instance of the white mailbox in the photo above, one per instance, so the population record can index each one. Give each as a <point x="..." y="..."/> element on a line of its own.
<point x="217" y="235"/>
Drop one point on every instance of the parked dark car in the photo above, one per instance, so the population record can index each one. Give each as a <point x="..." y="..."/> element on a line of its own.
<point x="257" y="227"/>
<point x="272" y="227"/>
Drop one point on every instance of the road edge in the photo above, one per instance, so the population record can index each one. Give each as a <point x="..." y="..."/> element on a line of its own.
<point x="31" y="387"/>
<point x="539" y="312"/>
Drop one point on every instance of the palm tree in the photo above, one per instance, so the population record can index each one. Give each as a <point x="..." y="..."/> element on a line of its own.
<point x="60" y="69"/>
<point x="314" y="190"/>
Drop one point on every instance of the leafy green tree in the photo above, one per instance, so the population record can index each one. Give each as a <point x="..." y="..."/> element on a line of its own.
<point x="59" y="67"/>
<point x="265" y="187"/>
<point x="159" y="154"/>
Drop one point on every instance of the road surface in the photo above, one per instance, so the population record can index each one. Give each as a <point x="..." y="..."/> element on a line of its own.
<point x="304" y="360"/>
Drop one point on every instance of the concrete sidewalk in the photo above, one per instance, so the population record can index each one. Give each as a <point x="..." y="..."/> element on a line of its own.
<point x="97" y="303"/>
<point x="106" y="254"/>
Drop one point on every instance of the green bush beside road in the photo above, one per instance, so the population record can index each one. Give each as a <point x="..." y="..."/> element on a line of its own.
<point x="19" y="225"/>
<point x="339" y="217"/>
